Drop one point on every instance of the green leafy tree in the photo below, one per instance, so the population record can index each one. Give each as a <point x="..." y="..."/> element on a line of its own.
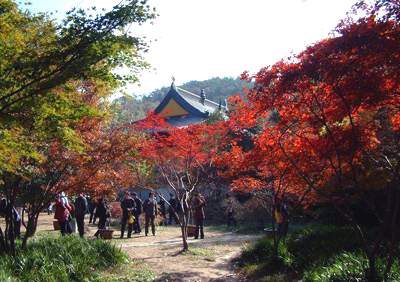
<point x="44" y="67"/>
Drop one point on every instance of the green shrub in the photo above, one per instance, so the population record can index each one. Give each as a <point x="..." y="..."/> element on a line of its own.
<point x="314" y="245"/>
<point x="260" y="259"/>
<point x="319" y="253"/>
<point x="350" y="267"/>
<point x="61" y="258"/>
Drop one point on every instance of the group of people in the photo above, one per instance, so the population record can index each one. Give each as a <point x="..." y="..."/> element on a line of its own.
<point x="133" y="206"/>
<point x="65" y="212"/>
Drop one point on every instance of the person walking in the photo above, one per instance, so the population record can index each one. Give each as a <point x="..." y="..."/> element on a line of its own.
<point x="137" y="212"/>
<point x="62" y="213"/>
<point x="127" y="205"/>
<point x="81" y="208"/>
<point x="199" y="215"/>
<point x="150" y="212"/>
<point x="172" y="209"/>
<point x="102" y="214"/>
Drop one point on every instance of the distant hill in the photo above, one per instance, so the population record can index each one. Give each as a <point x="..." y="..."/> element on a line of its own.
<point x="130" y="109"/>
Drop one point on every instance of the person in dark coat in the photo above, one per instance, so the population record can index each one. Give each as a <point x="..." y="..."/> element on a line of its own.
<point x="81" y="208"/>
<point x="173" y="207"/>
<point x="231" y="218"/>
<point x="4" y="204"/>
<point x="137" y="212"/>
<point x="199" y="216"/>
<point x="102" y="214"/>
<point x="92" y="206"/>
<point x="150" y="209"/>
<point x="128" y="206"/>
<point x="162" y="212"/>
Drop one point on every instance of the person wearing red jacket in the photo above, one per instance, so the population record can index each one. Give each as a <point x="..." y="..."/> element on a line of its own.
<point x="62" y="214"/>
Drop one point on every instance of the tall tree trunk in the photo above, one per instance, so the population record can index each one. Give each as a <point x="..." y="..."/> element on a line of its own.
<point x="10" y="240"/>
<point x="30" y="228"/>
<point x="184" y="238"/>
<point x="393" y="227"/>
<point x="183" y="223"/>
<point x="3" y="244"/>
<point x="372" y="272"/>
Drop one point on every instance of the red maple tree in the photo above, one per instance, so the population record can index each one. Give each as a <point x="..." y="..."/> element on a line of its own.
<point x="335" y="126"/>
<point x="184" y="157"/>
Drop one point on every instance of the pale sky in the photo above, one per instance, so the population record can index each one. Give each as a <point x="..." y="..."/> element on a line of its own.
<point x="201" y="39"/>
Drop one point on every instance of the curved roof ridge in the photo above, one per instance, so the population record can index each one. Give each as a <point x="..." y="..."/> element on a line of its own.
<point x="196" y="96"/>
<point x="187" y="104"/>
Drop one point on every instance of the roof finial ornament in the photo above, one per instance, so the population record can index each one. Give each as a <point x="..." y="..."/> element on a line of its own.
<point x="202" y="97"/>
<point x="173" y="82"/>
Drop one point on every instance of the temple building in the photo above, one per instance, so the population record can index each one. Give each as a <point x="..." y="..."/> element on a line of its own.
<point x="182" y="107"/>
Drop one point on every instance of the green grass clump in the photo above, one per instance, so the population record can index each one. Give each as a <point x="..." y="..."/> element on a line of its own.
<point x="351" y="267"/>
<point x="259" y="260"/>
<point x="198" y="252"/>
<point x="316" y="253"/>
<point x="60" y="258"/>
<point x="128" y="272"/>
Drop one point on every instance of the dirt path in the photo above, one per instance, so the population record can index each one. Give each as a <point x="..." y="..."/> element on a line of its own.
<point x="208" y="259"/>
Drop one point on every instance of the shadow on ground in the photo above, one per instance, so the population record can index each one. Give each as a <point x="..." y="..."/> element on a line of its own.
<point x="178" y="276"/>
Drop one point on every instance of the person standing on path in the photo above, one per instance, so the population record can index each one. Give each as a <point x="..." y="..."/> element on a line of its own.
<point x="150" y="209"/>
<point x="4" y="206"/>
<point x="137" y="212"/>
<point x="128" y="206"/>
<point x="92" y="207"/>
<point x="172" y="209"/>
<point x="281" y="214"/>
<point x="81" y="208"/>
<point x="162" y="212"/>
<point x="102" y="214"/>
<point x="231" y="218"/>
<point x="62" y="213"/>
<point x="199" y="216"/>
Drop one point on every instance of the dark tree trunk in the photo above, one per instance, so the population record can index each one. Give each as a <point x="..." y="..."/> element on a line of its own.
<point x="3" y="244"/>
<point x="30" y="228"/>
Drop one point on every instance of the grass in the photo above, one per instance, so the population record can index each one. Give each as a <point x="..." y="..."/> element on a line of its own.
<point x="198" y="252"/>
<point x="240" y="229"/>
<point x="314" y="253"/>
<point x="129" y="272"/>
<point x="63" y="259"/>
